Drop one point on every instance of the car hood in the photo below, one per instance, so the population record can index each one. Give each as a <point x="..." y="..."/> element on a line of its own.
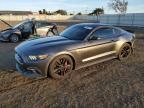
<point x="6" y="23"/>
<point x="6" y="30"/>
<point x="44" y="45"/>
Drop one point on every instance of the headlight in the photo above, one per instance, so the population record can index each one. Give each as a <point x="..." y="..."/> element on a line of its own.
<point x="39" y="57"/>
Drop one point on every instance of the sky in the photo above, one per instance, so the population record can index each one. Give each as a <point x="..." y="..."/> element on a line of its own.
<point x="72" y="6"/>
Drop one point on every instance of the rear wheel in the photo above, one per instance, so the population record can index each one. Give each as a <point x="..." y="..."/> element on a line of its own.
<point x="60" y="67"/>
<point x="14" y="38"/>
<point x="125" y="52"/>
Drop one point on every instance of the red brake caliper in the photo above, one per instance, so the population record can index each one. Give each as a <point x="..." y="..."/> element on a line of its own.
<point x="65" y="66"/>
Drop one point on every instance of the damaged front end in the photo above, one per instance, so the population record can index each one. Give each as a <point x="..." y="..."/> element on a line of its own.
<point x="4" y="35"/>
<point x="1" y="37"/>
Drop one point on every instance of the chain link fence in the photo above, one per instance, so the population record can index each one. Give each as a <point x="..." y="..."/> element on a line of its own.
<point x="133" y="19"/>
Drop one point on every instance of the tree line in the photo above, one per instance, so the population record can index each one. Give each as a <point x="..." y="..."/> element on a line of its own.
<point x="119" y="6"/>
<point x="60" y="11"/>
<point x="97" y="11"/>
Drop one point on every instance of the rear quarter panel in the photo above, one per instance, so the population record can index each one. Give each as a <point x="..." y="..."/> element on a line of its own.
<point x="124" y="38"/>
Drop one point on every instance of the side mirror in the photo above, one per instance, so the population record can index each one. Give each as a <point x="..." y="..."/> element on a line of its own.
<point x="94" y="38"/>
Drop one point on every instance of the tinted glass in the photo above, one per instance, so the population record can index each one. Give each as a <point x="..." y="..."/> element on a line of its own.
<point x="27" y="25"/>
<point x="103" y="33"/>
<point x="117" y="31"/>
<point x="77" y="32"/>
<point x="19" y="25"/>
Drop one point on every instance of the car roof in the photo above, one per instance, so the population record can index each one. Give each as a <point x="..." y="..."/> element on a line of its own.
<point x="93" y="24"/>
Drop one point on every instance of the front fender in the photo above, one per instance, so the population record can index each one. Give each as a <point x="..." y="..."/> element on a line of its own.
<point x="18" y="32"/>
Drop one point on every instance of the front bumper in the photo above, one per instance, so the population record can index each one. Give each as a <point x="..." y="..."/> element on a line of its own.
<point x="27" y="73"/>
<point x="31" y="69"/>
<point x="2" y="39"/>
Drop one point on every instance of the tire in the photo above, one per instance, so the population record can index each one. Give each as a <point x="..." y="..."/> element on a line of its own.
<point x="14" y="38"/>
<point x="60" y="67"/>
<point x="125" y="52"/>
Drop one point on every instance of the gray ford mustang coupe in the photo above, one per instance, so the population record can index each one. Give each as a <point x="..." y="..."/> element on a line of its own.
<point x="78" y="46"/>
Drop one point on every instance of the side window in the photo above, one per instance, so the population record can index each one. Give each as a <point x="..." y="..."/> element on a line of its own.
<point x="27" y="26"/>
<point x="102" y="33"/>
<point x="117" y="31"/>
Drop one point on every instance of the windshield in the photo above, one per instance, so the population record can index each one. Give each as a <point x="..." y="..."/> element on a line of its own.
<point x="77" y="32"/>
<point x="19" y="24"/>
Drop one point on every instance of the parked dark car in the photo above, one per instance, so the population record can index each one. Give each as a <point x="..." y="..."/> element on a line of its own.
<point x="24" y="29"/>
<point x="78" y="46"/>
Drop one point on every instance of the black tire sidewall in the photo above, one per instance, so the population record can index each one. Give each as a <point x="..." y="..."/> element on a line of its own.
<point x="18" y="38"/>
<point x="50" y="69"/>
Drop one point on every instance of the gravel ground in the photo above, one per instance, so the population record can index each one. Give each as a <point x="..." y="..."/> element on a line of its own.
<point x="111" y="84"/>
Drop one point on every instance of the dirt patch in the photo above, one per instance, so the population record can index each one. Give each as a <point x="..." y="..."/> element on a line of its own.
<point x="7" y="60"/>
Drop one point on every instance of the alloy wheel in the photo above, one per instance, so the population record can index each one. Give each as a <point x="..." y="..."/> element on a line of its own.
<point x="61" y="66"/>
<point x="125" y="52"/>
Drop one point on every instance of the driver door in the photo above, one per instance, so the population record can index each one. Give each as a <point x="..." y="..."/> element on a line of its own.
<point x="99" y="46"/>
<point x="26" y="29"/>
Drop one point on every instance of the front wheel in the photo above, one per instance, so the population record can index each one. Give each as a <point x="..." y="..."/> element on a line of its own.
<point x="60" y="67"/>
<point x="125" y="52"/>
<point x="14" y="38"/>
